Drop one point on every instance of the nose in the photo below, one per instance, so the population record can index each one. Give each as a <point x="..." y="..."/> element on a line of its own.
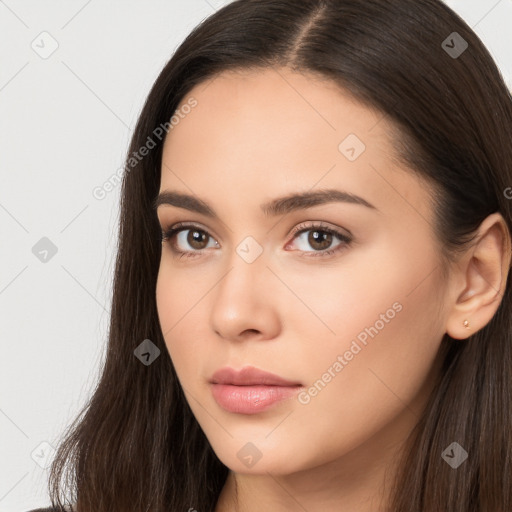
<point x="245" y="301"/>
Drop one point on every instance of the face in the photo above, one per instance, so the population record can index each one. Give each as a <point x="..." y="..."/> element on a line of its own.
<point x="343" y="298"/>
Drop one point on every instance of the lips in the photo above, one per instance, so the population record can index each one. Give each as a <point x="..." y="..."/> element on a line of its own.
<point x="249" y="376"/>
<point x="249" y="390"/>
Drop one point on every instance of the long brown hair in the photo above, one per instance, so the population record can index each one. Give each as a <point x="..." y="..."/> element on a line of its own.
<point x="136" y="445"/>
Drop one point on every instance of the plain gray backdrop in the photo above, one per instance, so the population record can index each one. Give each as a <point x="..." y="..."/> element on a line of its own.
<point x="73" y="78"/>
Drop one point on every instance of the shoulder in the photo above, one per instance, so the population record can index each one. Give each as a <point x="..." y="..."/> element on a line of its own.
<point x="49" y="509"/>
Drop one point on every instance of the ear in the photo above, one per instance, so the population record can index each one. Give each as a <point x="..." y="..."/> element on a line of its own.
<point x="480" y="278"/>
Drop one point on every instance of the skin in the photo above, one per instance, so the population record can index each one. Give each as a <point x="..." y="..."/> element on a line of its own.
<point x="258" y="135"/>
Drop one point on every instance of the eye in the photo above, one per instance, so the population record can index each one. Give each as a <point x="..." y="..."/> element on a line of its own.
<point x="182" y="234"/>
<point x="320" y="238"/>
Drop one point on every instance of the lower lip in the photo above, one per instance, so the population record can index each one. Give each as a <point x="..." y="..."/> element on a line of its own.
<point x="250" y="399"/>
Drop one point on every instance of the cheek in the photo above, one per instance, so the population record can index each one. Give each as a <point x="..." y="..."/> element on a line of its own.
<point x="182" y="304"/>
<point x="390" y="291"/>
<point x="388" y="308"/>
<point x="173" y="300"/>
<point x="356" y="389"/>
<point x="377" y="362"/>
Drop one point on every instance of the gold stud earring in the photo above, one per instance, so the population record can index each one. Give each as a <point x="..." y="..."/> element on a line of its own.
<point x="466" y="324"/>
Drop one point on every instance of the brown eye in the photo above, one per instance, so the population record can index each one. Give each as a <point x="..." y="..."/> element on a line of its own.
<point x="187" y="239"/>
<point x="196" y="238"/>
<point x="319" y="239"/>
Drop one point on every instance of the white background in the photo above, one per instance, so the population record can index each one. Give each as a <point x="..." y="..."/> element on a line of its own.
<point x="65" y="125"/>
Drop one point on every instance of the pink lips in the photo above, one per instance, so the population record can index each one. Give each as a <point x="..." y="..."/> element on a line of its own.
<point x="250" y="391"/>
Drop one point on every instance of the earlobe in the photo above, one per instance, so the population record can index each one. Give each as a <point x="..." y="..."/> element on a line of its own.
<point x="483" y="271"/>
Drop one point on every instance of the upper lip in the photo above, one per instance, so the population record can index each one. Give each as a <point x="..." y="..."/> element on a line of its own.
<point x="249" y="376"/>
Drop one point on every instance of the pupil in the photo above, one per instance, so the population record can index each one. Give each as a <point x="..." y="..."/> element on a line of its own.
<point x="323" y="239"/>
<point x="196" y="238"/>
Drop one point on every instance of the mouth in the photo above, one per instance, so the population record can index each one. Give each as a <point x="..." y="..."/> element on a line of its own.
<point x="250" y="399"/>
<point x="250" y="390"/>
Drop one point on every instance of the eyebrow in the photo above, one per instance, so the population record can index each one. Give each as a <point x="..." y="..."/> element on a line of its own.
<point x="278" y="206"/>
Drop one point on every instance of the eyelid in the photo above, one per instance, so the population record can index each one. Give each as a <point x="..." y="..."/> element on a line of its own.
<point x="303" y="226"/>
<point x="188" y="225"/>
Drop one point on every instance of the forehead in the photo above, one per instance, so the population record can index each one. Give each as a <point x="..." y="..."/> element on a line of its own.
<point x="273" y="130"/>
<point x="270" y="95"/>
<point x="274" y="114"/>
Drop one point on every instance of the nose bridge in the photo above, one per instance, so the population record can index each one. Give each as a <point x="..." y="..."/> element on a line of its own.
<point x="246" y="265"/>
<point x="249" y="250"/>
<point x="243" y="299"/>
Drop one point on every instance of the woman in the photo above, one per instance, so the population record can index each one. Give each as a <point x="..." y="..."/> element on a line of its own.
<point x="319" y="191"/>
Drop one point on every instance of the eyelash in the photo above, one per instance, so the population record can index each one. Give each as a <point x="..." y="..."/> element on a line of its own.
<point x="169" y="233"/>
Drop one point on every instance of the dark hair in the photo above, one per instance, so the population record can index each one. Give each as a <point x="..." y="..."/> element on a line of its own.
<point x="136" y="444"/>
